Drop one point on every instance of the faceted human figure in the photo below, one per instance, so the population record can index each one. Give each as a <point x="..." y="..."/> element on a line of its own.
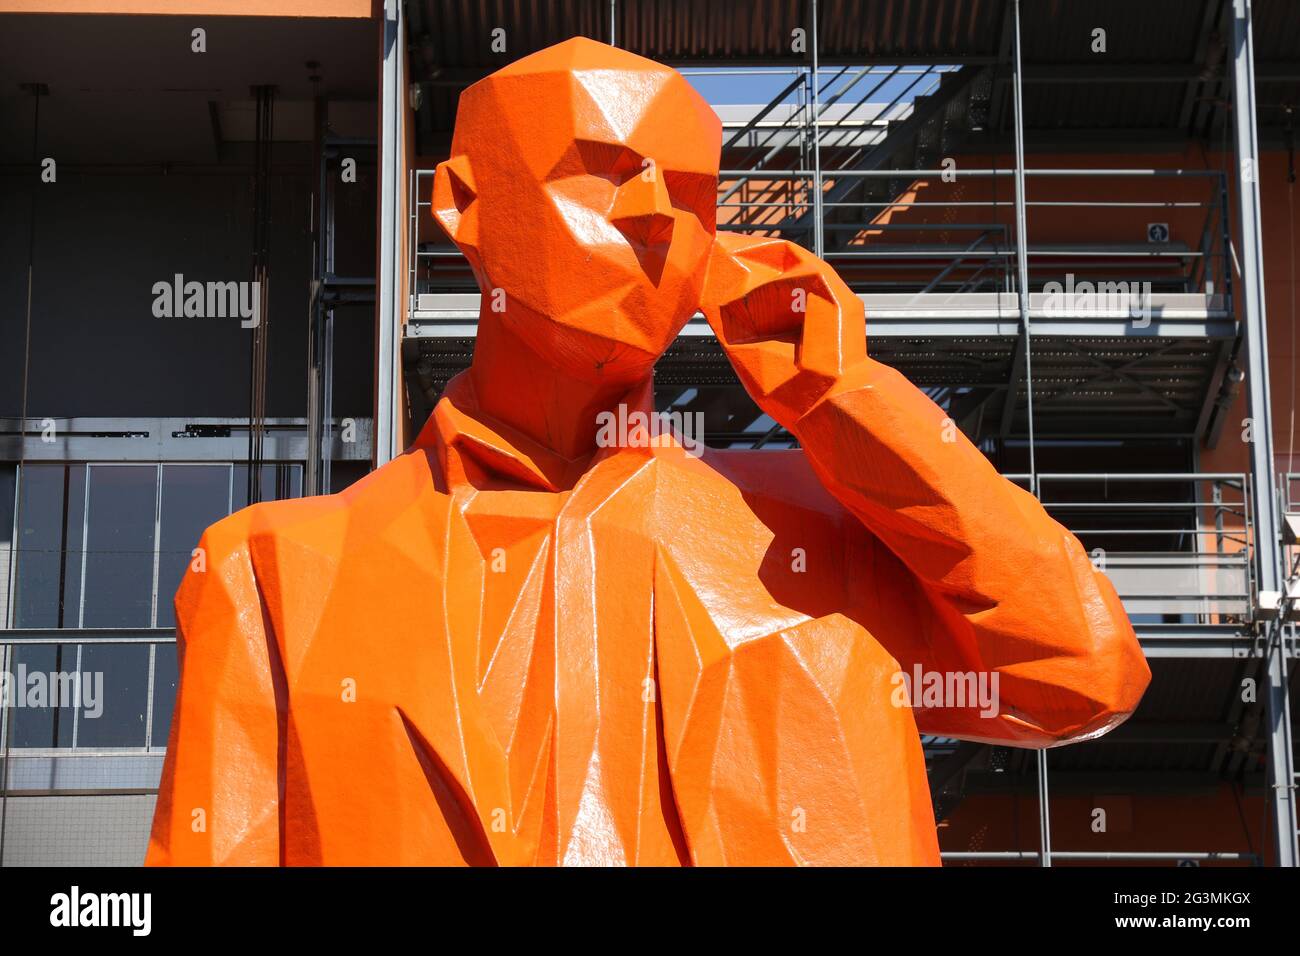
<point x="523" y="643"/>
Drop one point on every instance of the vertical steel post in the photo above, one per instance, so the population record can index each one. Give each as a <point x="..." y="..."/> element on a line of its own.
<point x="327" y="399"/>
<point x="1022" y="288"/>
<point x="1281" y="768"/>
<point x="392" y="159"/>
<point x="1022" y="252"/>
<point x="818" y="238"/>
<point x="1044" y="813"/>
<point x="311" y="483"/>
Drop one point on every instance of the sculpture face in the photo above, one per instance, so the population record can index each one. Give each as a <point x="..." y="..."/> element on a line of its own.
<point x="582" y="184"/>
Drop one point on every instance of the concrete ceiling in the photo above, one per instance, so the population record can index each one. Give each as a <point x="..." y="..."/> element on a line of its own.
<point x="130" y="89"/>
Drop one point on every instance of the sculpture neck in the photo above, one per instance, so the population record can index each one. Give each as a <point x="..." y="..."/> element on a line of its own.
<point x="517" y="387"/>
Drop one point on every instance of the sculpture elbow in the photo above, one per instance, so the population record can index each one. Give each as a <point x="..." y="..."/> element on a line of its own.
<point x="1080" y="696"/>
<point x="1103" y="671"/>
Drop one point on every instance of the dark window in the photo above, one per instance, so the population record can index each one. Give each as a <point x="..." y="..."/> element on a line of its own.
<point x="47" y="581"/>
<point x="164" y="693"/>
<point x="33" y="721"/>
<point x="140" y="524"/>
<point x="193" y="497"/>
<point x="119" y="681"/>
<point x="278" y="482"/>
<point x="8" y="487"/>
<point x="119" y="585"/>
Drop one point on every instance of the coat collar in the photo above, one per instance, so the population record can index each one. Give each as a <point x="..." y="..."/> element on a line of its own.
<point x="474" y="448"/>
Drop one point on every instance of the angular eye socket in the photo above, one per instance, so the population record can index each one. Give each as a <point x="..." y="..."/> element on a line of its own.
<point x="695" y="193"/>
<point x="610" y="161"/>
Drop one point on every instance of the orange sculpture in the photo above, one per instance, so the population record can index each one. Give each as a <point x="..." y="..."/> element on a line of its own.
<point x="524" y="643"/>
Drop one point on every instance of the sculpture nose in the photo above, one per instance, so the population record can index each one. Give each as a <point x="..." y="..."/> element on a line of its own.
<point x="643" y="211"/>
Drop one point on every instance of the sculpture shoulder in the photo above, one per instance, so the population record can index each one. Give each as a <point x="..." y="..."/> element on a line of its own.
<point x="235" y="562"/>
<point x="779" y="479"/>
<point x="267" y="550"/>
<point x="757" y="533"/>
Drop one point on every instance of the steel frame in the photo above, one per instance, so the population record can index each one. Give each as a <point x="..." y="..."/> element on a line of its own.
<point x="1280" y="756"/>
<point x="170" y="440"/>
<point x="1277" y="643"/>
<point x="392" y="165"/>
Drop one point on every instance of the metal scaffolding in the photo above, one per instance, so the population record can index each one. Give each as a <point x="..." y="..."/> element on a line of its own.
<point x="1281" y="766"/>
<point x="971" y="323"/>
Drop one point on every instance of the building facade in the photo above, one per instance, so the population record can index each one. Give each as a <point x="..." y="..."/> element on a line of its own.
<point x="1071" y="223"/>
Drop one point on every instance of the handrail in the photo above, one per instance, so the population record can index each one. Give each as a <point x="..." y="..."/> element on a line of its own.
<point x="927" y="267"/>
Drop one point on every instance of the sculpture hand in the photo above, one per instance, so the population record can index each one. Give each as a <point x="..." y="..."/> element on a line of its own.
<point x="788" y="324"/>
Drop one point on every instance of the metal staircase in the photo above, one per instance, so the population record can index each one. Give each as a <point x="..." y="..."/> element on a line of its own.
<point x="867" y="119"/>
<point x="932" y="126"/>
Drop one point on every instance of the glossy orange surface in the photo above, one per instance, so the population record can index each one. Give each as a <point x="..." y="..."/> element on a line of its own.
<point x="523" y="642"/>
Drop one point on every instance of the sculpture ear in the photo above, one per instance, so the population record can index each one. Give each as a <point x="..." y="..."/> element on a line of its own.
<point x="453" y="194"/>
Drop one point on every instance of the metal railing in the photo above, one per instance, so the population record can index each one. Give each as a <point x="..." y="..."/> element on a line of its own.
<point x="890" y="249"/>
<point x="972" y="262"/>
<point x="106" y="543"/>
<point x="1100" y="856"/>
<point x="1179" y="547"/>
<point x="69" y="669"/>
<point x="1288" y="493"/>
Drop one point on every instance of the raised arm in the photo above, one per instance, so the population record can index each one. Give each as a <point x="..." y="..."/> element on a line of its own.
<point x="219" y="800"/>
<point x="1008" y="590"/>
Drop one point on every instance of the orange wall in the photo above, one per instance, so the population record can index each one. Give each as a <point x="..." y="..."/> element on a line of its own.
<point x="1279" y="202"/>
<point x="358" y="9"/>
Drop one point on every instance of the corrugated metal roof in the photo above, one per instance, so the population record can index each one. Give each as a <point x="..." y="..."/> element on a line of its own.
<point x="678" y="31"/>
<point x="1166" y="55"/>
<point x="1100" y="106"/>
<point x="1277" y="31"/>
<point x="1189" y="690"/>
<point x="1152" y="31"/>
<point x="1054" y="31"/>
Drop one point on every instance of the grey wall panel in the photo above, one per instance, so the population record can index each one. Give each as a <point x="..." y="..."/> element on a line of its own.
<point x="102" y="241"/>
<point x="77" y="831"/>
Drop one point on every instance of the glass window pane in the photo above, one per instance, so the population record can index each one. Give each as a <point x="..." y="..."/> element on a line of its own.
<point x="73" y="547"/>
<point x="193" y="497"/>
<point x="34" y="719"/>
<point x="41" y="558"/>
<point x="119" y="581"/>
<point x="113" y="713"/>
<point x="291" y="481"/>
<point x="8" y="486"/>
<point x="278" y="482"/>
<point x="164" y="693"/>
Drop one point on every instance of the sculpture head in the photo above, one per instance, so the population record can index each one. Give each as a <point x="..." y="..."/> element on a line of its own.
<point x="582" y="187"/>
